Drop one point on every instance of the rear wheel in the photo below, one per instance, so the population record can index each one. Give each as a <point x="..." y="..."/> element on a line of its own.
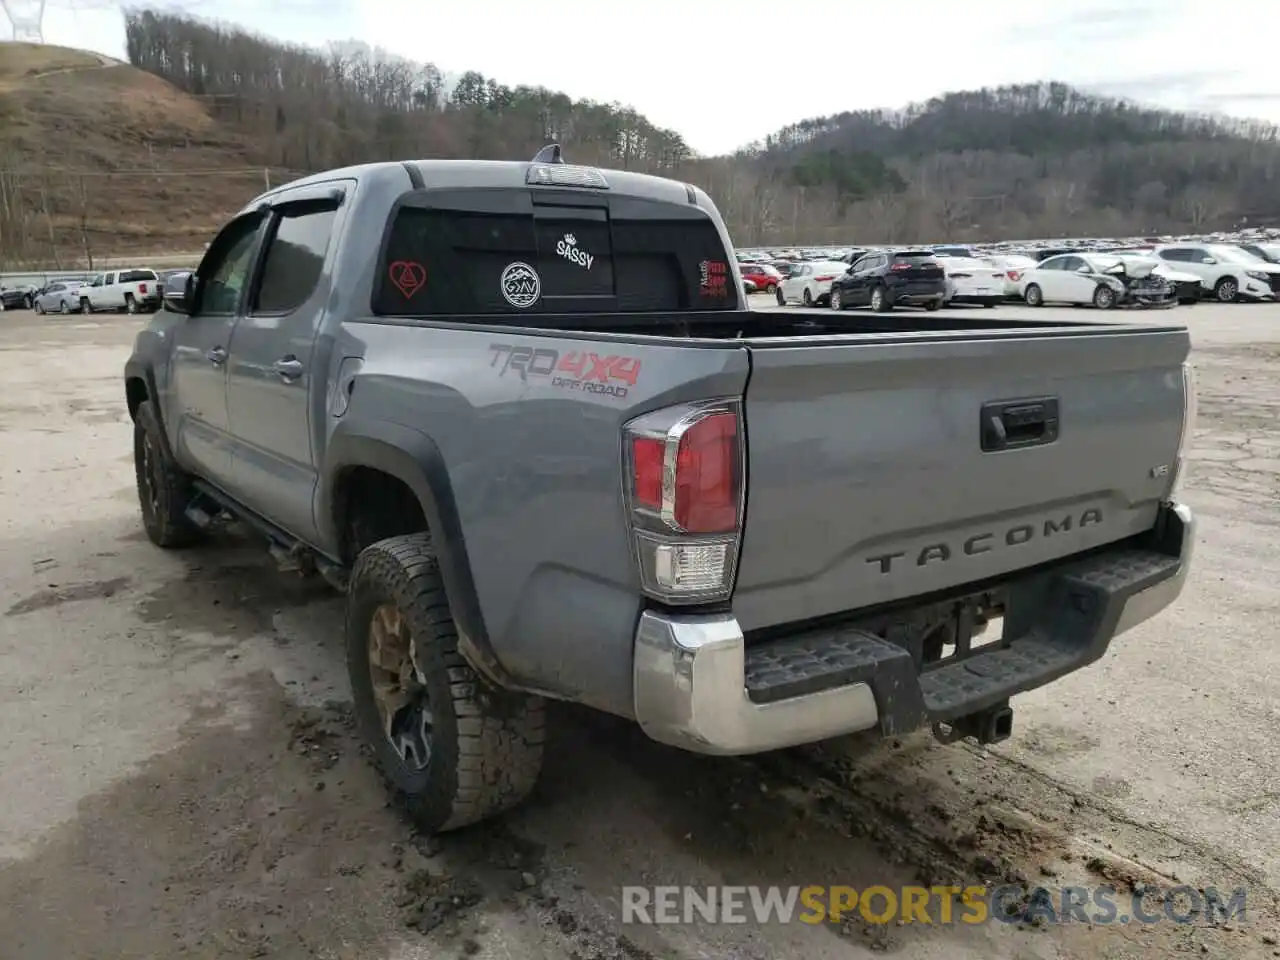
<point x="777" y="293"/>
<point x="130" y="304"/>
<point x="807" y="298"/>
<point x="835" y="301"/>
<point x="85" y="306"/>
<point x="932" y="305"/>
<point x="770" y="287"/>
<point x="880" y="300"/>
<point x="64" y="307"/>
<point x="1033" y="296"/>
<point x="453" y="749"/>
<point x="39" y="308"/>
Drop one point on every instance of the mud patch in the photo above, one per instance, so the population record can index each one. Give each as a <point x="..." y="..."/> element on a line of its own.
<point x="57" y="594"/>
<point x="232" y="588"/>
<point x="222" y="847"/>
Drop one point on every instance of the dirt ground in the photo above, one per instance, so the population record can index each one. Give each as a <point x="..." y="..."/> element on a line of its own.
<point x="179" y="776"/>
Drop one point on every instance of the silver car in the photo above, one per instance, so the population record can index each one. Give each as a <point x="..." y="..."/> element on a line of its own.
<point x="59" y="297"/>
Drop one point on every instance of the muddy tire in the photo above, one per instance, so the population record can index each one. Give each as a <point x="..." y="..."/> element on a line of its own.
<point x="455" y="750"/>
<point x="164" y="490"/>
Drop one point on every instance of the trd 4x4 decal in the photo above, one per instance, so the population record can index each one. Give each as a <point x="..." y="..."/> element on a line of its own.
<point x="606" y="374"/>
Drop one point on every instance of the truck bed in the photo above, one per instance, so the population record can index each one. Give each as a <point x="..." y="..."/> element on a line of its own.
<point x="761" y="326"/>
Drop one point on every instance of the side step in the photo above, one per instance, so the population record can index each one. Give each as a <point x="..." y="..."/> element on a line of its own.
<point x="290" y="553"/>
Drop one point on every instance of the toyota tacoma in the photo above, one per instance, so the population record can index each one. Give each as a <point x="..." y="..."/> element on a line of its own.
<point x="521" y="414"/>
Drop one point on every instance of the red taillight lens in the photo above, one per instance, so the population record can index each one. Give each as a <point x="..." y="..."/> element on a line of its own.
<point x="142" y="288"/>
<point x="686" y="472"/>
<point x="823" y="279"/>
<point x="1014" y="275"/>
<point x="646" y="462"/>
<point x="707" y="475"/>
<point x="901" y="266"/>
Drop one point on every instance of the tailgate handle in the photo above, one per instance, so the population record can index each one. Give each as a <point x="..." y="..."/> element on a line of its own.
<point x="1012" y="424"/>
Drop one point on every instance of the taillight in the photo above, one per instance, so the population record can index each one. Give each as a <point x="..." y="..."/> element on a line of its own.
<point x="901" y="266"/>
<point x="823" y="279"/>
<point x="685" y="498"/>
<point x="142" y="288"/>
<point x="1014" y="275"/>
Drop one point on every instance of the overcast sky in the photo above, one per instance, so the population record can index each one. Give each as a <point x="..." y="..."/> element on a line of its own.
<point x="724" y="73"/>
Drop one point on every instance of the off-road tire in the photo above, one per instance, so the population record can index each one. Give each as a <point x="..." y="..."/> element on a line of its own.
<point x="486" y="750"/>
<point x="165" y="521"/>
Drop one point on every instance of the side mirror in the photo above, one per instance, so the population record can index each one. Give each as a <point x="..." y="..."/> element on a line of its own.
<point x="178" y="292"/>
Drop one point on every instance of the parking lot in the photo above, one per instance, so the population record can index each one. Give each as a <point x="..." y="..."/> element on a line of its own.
<point x="180" y="777"/>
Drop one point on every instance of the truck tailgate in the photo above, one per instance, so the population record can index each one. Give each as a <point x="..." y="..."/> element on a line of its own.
<point x="868" y="481"/>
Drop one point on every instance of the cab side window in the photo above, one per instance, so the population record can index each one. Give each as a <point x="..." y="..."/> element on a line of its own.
<point x="225" y="272"/>
<point x="294" y="259"/>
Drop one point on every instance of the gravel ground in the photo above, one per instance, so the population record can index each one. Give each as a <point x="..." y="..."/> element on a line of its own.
<point x="180" y="777"/>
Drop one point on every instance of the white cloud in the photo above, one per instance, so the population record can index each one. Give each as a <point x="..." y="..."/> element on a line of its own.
<point x="726" y="73"/>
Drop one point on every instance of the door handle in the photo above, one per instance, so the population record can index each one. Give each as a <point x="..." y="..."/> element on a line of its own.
<point x="289" y="368"/>
<point x="217" y="356"/>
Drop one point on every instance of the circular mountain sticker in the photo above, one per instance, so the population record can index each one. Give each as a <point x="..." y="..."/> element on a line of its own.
<point x="521" y="285"/>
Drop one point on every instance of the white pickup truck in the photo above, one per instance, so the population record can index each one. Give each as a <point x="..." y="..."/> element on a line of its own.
<point x="129" y="290"/>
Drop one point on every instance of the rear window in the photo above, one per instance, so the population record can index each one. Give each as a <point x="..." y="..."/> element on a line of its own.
<point x="914" y="256"/>
<point x="500" y="252"/>
<point x="136" y="276"/>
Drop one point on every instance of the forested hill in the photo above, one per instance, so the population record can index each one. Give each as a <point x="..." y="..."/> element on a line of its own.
<point x="1037" y="160"/>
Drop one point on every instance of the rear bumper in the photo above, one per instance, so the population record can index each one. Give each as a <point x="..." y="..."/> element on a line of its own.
<point x="700" y="687"/>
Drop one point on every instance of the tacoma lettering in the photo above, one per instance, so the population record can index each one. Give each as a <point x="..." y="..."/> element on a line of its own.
<point x="935" y="553"/>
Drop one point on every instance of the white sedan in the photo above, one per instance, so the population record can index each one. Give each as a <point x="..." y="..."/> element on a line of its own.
<point x="810" y="283"/>
<point x="972" y="280"/>
<point x="1013" y="266"/>
<point x="1078" y="279"/>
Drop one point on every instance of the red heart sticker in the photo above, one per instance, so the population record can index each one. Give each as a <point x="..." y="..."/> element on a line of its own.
<point x="409" y="277"/>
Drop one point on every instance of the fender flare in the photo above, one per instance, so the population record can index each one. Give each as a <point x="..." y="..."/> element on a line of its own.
<point x="413" y="458"/>
<point x="136" y="369"/>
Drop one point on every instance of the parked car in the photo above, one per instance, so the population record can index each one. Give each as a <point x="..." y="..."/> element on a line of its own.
<point x="129" y="290"/>
<point x="458" y="478"/>
<point x="765" y="277"/>
<point x="61" y="296"/>
<point x="16" y="298"/>
<point x="1226" y="273"/>
<point x="1100" y="280"/>
<point x="1186" y="285"/>
<point x="1269" y="252"/>
<point x="809" y="283"/>
<point x="883" y="280"/>
<point x="971" y="280"/>
<point x="1012" y="266"/>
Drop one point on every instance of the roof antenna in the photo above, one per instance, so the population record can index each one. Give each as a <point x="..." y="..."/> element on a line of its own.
<point x="551" y="153"/>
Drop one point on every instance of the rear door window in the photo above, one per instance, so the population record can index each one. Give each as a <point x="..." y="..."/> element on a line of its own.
<point x="476" y="252"/>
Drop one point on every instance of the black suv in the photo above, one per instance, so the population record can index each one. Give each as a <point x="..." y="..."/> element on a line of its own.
<point x="885" y="279"/>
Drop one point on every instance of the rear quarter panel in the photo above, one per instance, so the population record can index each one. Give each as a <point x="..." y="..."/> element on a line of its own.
<point x="533" y="454"/>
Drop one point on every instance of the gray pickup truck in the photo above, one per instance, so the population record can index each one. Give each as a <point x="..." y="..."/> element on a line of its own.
<point x="522" y="415"/>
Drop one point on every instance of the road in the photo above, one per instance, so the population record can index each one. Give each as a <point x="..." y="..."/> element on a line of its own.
<point x="180" y="776"/>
